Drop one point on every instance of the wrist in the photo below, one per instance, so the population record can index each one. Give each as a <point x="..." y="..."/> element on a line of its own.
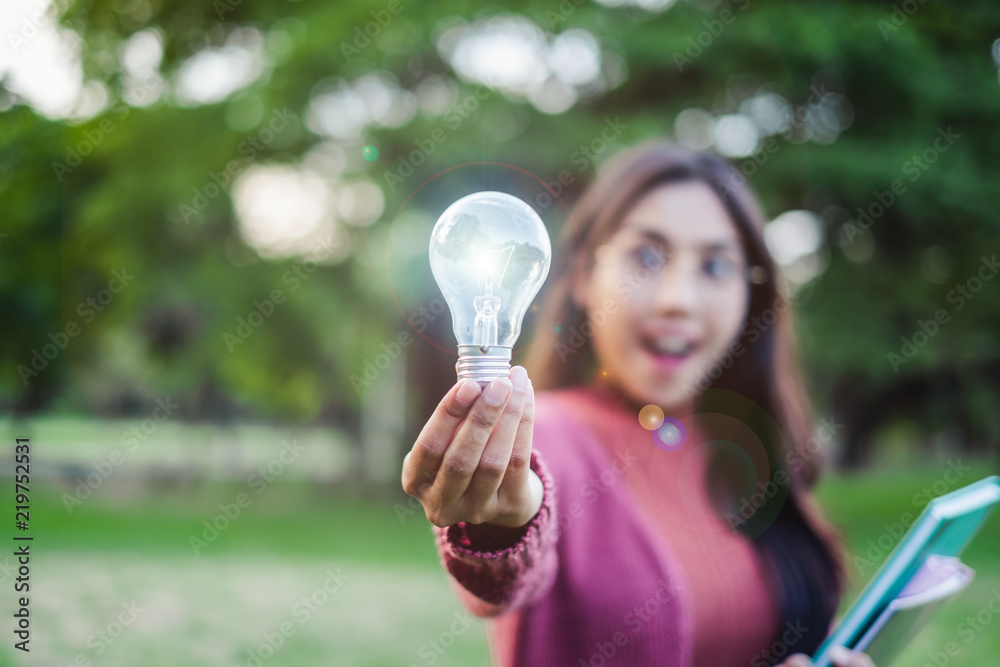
<point x="506" y="531"/>
<point x="536" y="491"/>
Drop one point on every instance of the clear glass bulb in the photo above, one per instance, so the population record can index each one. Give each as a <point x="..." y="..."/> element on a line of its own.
<point x="490" y="254"/>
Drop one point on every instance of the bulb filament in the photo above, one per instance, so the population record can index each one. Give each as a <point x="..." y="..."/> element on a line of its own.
<point x="486" y="326"/>
<point x="487" y="307"/>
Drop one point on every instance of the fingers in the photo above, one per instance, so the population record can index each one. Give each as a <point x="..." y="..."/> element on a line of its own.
<point x="482" y="489"/>
<point x="462" y="458"/>
<point x="839" y="657"/>
<point x="424" y="459"/>
<point x="843" y="657"/>
<point x="520" y="456"/>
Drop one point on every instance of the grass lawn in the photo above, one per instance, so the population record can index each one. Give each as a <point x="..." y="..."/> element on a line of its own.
<point x="302" y="577"/>
<point x="298" y="578"/>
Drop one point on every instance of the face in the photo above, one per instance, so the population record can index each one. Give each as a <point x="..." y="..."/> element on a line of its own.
<point x="666" y="294"/>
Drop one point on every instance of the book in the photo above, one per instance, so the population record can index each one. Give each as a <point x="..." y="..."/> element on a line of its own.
<point x="938" y="581"/>
<point x="944" y="528"/>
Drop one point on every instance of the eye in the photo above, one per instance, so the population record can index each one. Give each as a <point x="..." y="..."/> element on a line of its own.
<point x="719" y="267"/>
<point x="649" y="257"/>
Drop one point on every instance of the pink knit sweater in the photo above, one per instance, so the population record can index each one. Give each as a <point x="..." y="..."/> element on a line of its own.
<point x="624" y="564"/>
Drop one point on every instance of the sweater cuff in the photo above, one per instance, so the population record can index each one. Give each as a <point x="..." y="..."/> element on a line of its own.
<point x="504" y="576"/>
<point x="464" y="540"/>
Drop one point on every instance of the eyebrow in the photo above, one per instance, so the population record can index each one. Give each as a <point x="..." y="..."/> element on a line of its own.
<point x="712" y="245"/>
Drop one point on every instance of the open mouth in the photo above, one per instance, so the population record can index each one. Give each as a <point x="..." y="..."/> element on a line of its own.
<point x="668" y="346"/>
<point x="668" y="351"/>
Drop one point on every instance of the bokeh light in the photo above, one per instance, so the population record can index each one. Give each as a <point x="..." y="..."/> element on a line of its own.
<point x="516" y="56"/>
<point x="650" y="417"/>
<point x="284" y="211"/>
<point x="671" y="435"/>
<point x="735" y="135"/>
<point x="796" y="240"/>
<point x="213" y="74"/>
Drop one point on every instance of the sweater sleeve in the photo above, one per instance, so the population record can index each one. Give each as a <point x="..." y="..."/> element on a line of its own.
<point x="492" y="578"/>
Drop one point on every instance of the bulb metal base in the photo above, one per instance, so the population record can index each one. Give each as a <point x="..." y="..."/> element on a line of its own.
<point x="483" y="364"/>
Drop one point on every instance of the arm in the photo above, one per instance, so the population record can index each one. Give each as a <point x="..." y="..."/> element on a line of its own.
<point x="494" y="569"/>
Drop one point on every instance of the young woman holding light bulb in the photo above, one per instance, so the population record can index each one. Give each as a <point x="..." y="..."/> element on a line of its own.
<point x="653" y="507"/>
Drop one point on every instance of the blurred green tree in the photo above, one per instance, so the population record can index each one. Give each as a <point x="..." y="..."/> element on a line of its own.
<point x="859" y="95"/>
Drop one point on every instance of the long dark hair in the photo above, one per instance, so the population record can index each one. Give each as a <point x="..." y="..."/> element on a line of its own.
<point x="762" y="387"/>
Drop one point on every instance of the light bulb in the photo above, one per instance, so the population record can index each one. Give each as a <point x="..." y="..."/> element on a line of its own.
<point x="490" y="254"/>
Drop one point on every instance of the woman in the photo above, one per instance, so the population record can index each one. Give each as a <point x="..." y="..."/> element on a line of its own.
<point x="653" y="506"/>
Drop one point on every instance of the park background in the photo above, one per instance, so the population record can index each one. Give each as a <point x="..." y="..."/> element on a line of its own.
<point x="213" y="228"/>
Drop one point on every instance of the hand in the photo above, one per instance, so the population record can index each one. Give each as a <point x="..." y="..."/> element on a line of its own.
<point x="470" y="461"/>
<point x="839" y="656"/>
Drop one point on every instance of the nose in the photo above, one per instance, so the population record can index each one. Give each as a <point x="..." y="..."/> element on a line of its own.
<point x="677" y="288"/>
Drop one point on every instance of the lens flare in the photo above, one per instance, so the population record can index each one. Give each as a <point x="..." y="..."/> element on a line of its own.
<point x="671" y="435"/>
<point x="650" y="417"/>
